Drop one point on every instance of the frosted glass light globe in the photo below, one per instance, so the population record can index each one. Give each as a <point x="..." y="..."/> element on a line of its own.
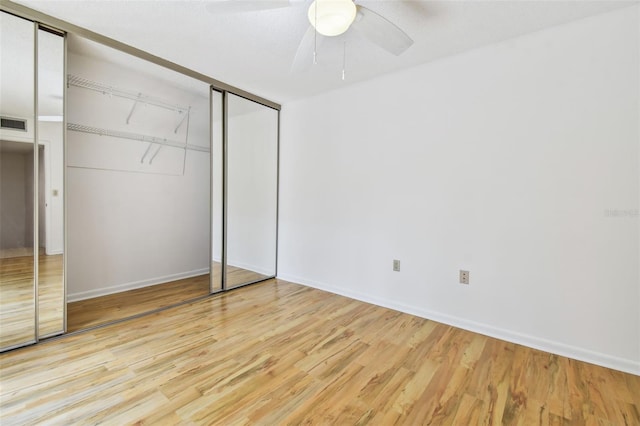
<point x="333" y="16"/>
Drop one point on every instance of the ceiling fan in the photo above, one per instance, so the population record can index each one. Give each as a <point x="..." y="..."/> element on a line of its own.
<point x="328" y="18"/>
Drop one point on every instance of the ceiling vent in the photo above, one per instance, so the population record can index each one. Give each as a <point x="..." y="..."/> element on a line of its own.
<point x="13" y="124"/>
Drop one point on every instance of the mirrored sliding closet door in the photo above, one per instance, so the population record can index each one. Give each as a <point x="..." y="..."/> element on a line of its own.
<point x="50" y="184"/>
<point x="32" y="289"/>
<point x="17" y="137"/>
<point x="217" y="185"/>
<point x="251" y="191"/>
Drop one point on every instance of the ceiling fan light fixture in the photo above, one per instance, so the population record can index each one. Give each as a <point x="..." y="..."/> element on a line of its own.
<point x="332" y="17"/>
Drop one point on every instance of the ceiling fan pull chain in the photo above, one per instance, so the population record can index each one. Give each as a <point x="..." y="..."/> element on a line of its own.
<point x="315" y="36"/>
<point x="344" y="59"/>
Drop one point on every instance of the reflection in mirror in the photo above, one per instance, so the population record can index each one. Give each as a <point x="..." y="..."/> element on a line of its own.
<point x="50" y="184"/>
<point x="17" y="286"/>
<point x="216" y="189"/>
<point x="138" y="186"/>
<point x="252" y="181"/>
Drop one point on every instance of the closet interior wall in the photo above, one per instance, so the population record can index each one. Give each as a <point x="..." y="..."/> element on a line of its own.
<point x="138" y="173"/>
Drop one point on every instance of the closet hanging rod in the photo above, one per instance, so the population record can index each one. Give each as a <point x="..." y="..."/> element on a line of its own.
<point x="134" y="136"/>
<point x="74" y="80"/>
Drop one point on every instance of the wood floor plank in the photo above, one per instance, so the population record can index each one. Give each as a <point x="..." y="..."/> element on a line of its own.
<point x="17" y="296"/>
<point x="280" y="353"/>
<point x="101" y="310"/>
<point x="51" y="297"/>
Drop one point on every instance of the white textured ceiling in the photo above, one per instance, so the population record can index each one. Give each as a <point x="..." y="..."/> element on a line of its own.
<point x="254" y="50"/>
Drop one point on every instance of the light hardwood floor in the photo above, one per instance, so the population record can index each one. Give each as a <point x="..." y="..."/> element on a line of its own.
<point x="101" y="310"/>
<point x="51" y="298"/>
<point x="17" y="316"/>
<point x="235" y="276"/>
<point x="280" y="353"/>
<point x="112" y="307"/>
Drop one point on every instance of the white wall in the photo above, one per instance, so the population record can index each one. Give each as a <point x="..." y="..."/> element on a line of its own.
<point x="132" y="225"/>
<point x="518" y="161"/>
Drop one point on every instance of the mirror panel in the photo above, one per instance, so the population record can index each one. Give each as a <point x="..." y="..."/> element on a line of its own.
<point x="51" y="294"/>
<point x="217" y="172"/>
<point x="251" y="192"/>
<point x="17" y="286"/>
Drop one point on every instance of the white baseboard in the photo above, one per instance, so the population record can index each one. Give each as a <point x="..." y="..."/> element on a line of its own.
<point x="558" y="348"/>
<point x="89" y="294"/>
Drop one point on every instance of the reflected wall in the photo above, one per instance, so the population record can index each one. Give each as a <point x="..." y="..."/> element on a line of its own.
<point x="251" y="149"/>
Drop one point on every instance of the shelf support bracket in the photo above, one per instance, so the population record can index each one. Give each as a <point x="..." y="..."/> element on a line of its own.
<point x="146" y="152"/>
<point x="183" y="119"/>
<point x="154" y="154"/>
<point x="133" y="108"/>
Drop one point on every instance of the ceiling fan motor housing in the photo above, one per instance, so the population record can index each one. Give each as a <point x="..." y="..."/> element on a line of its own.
<point x="332" y="17"/>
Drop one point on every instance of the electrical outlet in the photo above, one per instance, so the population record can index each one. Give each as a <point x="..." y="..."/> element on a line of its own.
<point x="464" y="277"/>
<point x="396" y="265"/>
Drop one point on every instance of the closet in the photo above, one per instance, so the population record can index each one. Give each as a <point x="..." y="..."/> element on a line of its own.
<point x="124" y="180"/>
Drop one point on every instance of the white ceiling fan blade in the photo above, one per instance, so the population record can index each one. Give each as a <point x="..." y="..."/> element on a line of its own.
<point x="304" y="55"/>
<point x="239" y="6"/>
<point x="381" y="31"/>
